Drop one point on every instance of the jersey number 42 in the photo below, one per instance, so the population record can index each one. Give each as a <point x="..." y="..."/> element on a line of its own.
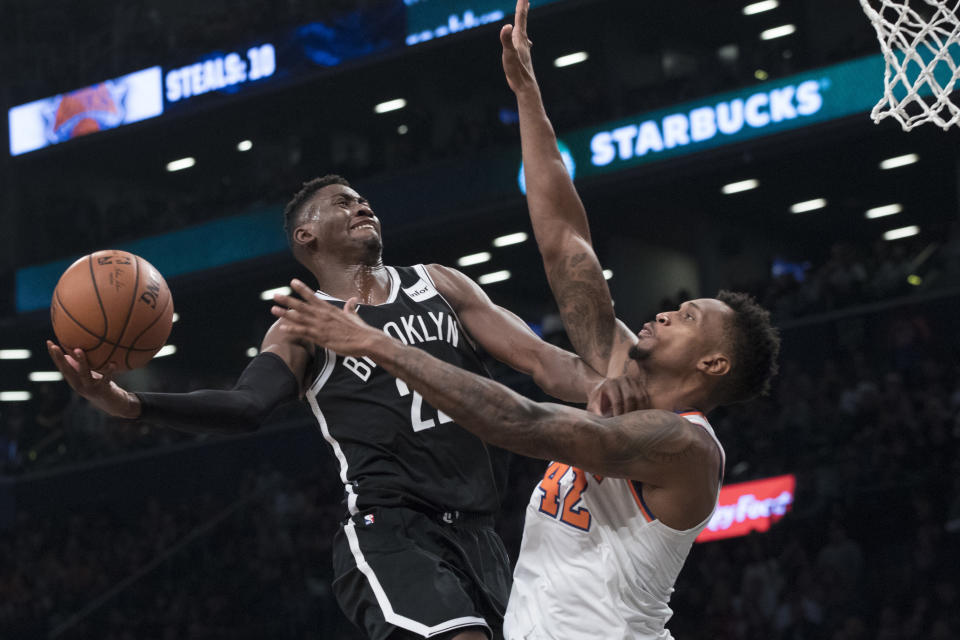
<point x="569" y="511"/>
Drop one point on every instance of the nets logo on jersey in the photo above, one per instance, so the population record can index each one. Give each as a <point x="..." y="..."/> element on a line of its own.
<point x="750" y="506"/>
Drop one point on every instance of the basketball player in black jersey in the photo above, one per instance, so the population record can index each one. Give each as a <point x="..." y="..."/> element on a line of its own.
<point x="417" y="555"/>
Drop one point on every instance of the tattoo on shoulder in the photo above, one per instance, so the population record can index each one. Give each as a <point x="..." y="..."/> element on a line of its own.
<point x="666" y="443"/>
<point x="585" y="306"/>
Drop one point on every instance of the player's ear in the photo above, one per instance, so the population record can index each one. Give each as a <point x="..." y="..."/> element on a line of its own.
<point x="302" y="236"/>
<point x="714" y="364"/>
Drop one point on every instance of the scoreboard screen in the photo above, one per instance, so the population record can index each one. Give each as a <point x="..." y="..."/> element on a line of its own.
<point x="293" y="56"/>
<point x="105" y="105"/>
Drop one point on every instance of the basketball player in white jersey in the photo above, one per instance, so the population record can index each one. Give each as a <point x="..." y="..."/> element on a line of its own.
<point x="609" y="527"/>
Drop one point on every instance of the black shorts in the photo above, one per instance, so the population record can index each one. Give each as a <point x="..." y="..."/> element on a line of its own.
<point x="400" y="569"/>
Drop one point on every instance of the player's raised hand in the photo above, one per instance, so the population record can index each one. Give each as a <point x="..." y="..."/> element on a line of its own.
<point x="96" y="386"/>
<point x="322" y="323"/>
<point x="517" y="63"/>
<point x="617" y="396"/>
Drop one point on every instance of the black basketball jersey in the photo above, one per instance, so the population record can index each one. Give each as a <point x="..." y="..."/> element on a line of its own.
<point x="392" y="447"/>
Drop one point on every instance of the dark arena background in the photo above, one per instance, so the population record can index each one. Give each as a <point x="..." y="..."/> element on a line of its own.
<point x="715" y="145"/>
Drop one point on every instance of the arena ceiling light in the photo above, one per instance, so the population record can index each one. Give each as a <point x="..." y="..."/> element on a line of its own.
<point x="808" y="205"/>
<point x="510" y="238"/>
<point x="45" y="376"/>
<point x="737" y="187"/>
<point x="759" y="7"/>
<point x="902" y="232"/>
<point x="607" y="274"/>
<point x="778" y="32"/>
<point x="474" y="258"/>
<point x="252" y="352"/>
<point x="885" y="210"/>
<point x="245" y="145"/>
<point x="899" y="161"/>
<point x="167" y="350"/>
<point x="496" y="276"/>
<point x="571" y="59"/>
<point x="176" y="316"/>
<point x="181" y="164"/>
<point x="268" y="294"/>
<point x="390" y="105"/>
<point x="14" y="354"/>
<point x="14" y="396"/>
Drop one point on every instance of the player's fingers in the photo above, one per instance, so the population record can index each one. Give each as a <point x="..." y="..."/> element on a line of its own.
<point x="289" y="302"/>
<point x="616" y="400"/>
<point x="300" y="287"/>
<point x="83" y="369"/>
<point x="60" y="361"/>
<point x="351" y="305"/>
<point x="599" y="399"/>
<point x="520" y="19"/>
<point x="278" y="311"/>
<point x="506" y="37"/>
<point x="593" y="404"/>
<point x="106" y="374"/>
<point x="56" y="355"/>
<point x="630" y="400"/>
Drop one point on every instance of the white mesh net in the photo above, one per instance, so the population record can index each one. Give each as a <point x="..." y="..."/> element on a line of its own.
<point x="921" y="44"/>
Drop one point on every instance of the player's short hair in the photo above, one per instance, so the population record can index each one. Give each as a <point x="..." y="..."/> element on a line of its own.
<point x="291" y="213"/>
<point x="755" y="346"/>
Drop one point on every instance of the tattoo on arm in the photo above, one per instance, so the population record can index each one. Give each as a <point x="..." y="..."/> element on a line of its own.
<point x="615" y="446"/>
<point x="585" y="306"/>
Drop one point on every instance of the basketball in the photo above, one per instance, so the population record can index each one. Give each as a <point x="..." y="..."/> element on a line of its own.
<point x="115" y="306"/>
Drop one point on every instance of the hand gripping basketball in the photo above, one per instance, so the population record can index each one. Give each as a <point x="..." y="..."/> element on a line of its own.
<point x="96" y="386"/>
<point x="115" y="306"/>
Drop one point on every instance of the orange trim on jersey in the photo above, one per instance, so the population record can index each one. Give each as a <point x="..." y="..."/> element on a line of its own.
<point x="636" y="498"/>
<point x="692" y="413"/>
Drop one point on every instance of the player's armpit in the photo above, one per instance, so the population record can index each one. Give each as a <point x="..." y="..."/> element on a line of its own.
<point x="295" y="352"/>
<point x="506" y="337"/>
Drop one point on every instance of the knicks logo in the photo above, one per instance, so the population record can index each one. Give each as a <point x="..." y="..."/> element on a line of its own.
<point x="86" y="111"/>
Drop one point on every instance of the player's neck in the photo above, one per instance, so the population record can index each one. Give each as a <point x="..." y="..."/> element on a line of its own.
<point x="676" y="393"/>
<point x="368" y="282"/>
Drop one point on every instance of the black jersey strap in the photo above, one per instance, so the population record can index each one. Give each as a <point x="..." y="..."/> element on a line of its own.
<point x="266" y="383"/>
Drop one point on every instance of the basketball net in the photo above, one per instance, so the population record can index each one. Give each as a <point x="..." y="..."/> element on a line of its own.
<point x="921" y="46"/>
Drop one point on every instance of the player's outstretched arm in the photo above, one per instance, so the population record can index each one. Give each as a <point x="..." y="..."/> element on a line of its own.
<point x="652" y="446"/>
<point x="507" y="338"/>
<point x="558" y="217"/>
<point x="272" y="378"/>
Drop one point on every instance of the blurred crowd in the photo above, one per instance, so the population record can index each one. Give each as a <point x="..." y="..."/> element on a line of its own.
<point x="853" y="275"/>
<point x="869" y="550"/>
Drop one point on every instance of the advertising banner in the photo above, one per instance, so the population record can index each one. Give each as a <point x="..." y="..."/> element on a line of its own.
<point x="746" y="507"/>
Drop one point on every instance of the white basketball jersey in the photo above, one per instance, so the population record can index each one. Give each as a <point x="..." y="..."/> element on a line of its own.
<point x="594" y="561"/>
